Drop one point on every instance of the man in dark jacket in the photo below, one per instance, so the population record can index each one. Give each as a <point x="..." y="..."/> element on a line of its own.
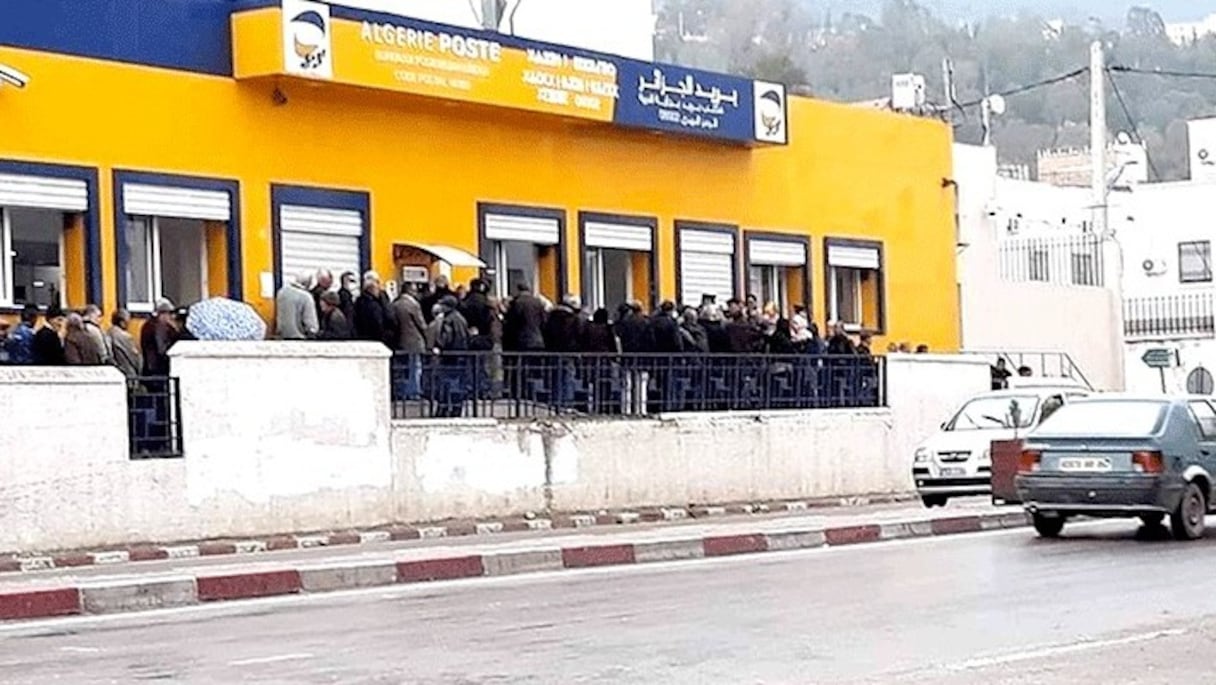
<point x="693" y="333"/>
<point x="442" y="289"/>
<point x="373" y="318"/>
<point x="156" y="337"/>
<point x="664" y="331"/>
<point x="742" y="336"/>
<point x="524" y="322"/>
<point x="564" y="327"/>
<point x="479" y="312"/>
<point x="410" y="344"/>
<point x="840" y="343"/>
<point x="597" y="337"/>
<point x="453" y="340"/>
<point x="631" y="328"/>
<point x="710" y="318"/>
<point x="47" y="347"/>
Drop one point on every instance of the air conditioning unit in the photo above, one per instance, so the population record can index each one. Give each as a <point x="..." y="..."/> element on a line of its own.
<point x="1154" y="267"/>
<point x="907" y="92"/>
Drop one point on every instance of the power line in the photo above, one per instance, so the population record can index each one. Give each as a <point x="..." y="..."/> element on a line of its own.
<point x="1028" y="87"/>
<point x="1131" y="121"/>
<point x="1124" y="69"/>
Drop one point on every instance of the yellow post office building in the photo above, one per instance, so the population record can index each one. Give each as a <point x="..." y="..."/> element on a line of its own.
<point x="194" y="148"/>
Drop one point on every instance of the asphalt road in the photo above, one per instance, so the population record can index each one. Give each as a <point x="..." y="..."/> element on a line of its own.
<point x="1107" y="604"/>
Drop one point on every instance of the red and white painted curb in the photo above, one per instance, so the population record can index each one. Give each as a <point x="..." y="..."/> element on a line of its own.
<point x="137" y="553"/>
<point x="158" y="592"/>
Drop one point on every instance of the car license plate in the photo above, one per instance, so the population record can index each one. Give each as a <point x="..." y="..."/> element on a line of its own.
<point x="1085" y="464"/>
<point x="948" y="472"/>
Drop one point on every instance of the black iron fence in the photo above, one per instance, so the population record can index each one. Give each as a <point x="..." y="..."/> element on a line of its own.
<point x="524" y="385"/>
<point x="154" y="418"/>
<point x="1166" y="316"/>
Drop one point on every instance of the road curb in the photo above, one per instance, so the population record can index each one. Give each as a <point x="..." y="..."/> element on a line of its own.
<point x="19" y="563"/>
<point x="128" y="595"/>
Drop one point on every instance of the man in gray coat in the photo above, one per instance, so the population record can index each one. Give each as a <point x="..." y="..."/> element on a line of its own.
<point x="411" y="341"/>
<point x="295" y="312"/>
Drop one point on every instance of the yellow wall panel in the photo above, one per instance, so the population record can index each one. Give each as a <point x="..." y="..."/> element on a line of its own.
<point x="848" y="173"/>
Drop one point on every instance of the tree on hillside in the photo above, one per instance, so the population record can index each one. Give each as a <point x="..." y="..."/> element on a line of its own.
<point x="852" y="56"/>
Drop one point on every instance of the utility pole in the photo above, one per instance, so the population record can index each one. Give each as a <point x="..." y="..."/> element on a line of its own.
<point x="1097" y="134"/>
<point x="490" y="19"/>
<point x="1112" y="250"/>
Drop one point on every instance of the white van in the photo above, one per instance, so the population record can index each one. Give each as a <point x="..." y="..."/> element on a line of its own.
<point x="957" y="461"/>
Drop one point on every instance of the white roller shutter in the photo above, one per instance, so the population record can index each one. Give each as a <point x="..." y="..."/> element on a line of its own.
<point x="707" y="266"/>
<point x="313" y="238"/>
<point x="178" y="203"/>
<point x="776" y="253"/>
<point x="526" y="229"/>
<point x="618" y="236"/>
<point x="41" y="192"/>
<point x="853" y="257"/>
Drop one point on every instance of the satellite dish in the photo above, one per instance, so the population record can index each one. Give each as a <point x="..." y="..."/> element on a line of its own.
<point x="996" y="104"/>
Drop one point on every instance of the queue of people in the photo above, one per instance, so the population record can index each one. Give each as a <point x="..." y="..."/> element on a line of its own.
<point x="55" y="337"/>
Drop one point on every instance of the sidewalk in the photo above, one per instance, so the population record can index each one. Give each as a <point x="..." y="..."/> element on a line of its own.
<point x="104" y="589"/>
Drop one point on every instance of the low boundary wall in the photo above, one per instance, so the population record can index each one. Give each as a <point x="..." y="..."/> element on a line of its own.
<point x="286" y="437"/>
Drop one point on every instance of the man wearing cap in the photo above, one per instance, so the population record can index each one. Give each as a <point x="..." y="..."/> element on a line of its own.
<point x="156" y="337"/>
<point x="47" y="347"/>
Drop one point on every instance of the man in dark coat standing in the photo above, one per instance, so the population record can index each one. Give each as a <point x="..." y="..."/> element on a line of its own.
<point x="480" y="315"/>
<point x="373" y="318"/>
<point x="524" y="322"/>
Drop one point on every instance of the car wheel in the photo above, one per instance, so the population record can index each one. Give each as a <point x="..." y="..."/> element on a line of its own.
<point x="1187" y="521"/>
<point x="1152" y="520"/>
<point x="935" y="500"/>
<point x="1048" y="526"/>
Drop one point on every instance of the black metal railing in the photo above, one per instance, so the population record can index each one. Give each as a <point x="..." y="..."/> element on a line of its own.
<point x="1166" y="316"/>
<point x="525" y="385"/>
<point x="1060" y="260"/>
<point x="1045" y="364"/>
<point x="154" y="418"/>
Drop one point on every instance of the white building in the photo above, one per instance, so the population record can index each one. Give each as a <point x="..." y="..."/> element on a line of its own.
<point x="1033" y="276"/>
<point x="1201" y="139"/>
<point x="1185" y="33"/>
<point x="618" y="27"/>
<point x="1166" y="233"/>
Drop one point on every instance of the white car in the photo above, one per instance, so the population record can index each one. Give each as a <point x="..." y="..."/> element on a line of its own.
<point x="957" y="460"/>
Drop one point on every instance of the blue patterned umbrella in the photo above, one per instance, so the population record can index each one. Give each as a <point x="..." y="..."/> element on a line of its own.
<point x="222" y="319"/>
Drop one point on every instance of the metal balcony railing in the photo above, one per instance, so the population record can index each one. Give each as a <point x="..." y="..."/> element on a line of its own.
<point x="1181" y="315"/>
<point x="527" y="385"/>
<point x="1074" y="260"/>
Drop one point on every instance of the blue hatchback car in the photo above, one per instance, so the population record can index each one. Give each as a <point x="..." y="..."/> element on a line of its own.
<point x="1120" y="456"/>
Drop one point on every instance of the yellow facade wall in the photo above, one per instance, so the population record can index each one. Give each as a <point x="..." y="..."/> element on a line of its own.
<point x="849" y="173"/>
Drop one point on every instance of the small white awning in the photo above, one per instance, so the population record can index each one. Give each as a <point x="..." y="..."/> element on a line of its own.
<point x="451" y="255"/>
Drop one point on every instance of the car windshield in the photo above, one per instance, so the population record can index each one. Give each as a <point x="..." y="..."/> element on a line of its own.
<point x="1118" y="418"/>
<point x="995" y="413"/>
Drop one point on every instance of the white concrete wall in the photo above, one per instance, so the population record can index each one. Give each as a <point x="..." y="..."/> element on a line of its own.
<point x="495" y="469"/>
<point x="1001" y="315"/>
<point x="617" y="27"/>
<point x="1150" y="222"/>
<point x="278" y="437"/>
<point x="290" y="437"/>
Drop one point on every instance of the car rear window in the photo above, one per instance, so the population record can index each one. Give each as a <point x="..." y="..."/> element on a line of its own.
<point x="1127" y="418"/>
